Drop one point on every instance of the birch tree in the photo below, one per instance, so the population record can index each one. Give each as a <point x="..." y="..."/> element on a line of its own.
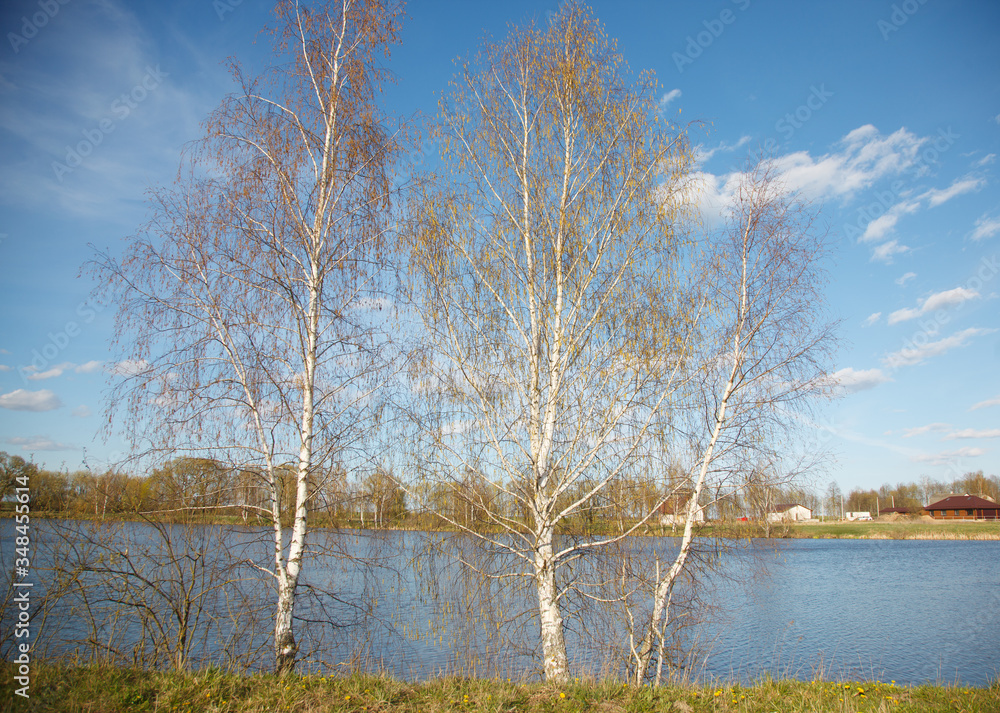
<point x="544" y="262"/>
<point x="249" y="318"/>
<point x="761" y="350"/>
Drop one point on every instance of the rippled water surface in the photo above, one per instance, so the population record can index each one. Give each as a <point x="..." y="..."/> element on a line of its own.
<point x="910" y="611"/>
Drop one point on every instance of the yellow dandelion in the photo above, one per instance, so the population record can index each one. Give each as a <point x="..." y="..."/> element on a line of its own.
<point x="561" y="694"/>
<point x="718" y="693"/>
<point x="347" y="698"/>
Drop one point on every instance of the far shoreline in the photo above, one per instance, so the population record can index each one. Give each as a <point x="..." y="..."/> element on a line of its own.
<point x="901" y="529"/>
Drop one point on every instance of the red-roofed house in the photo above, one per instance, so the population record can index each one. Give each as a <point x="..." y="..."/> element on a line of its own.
<point x="964" y="507"/>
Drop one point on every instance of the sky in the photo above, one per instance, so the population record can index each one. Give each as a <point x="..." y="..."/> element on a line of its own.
<point x="885" y="115"/>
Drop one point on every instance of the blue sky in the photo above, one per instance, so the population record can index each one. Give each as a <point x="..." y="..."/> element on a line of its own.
<point x="886" y="115"/>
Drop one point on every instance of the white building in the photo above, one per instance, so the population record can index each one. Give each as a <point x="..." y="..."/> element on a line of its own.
<point x="671" y="519"/>
<point x="789" y="512"/>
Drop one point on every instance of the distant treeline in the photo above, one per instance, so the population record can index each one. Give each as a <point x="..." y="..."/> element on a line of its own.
<point x="912" y="495"/>
<point x="205" y="486"/>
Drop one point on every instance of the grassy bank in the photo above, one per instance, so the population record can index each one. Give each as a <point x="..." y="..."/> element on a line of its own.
<point x="899" y="530"/>
<point x="104" y="690"/>
<point x="905" y="529"/>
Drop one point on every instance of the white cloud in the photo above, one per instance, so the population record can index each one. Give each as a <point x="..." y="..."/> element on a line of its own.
<point x="995" y="401"/>
<point x="39" y="443"/>
<point x="873" y="319"/>
<point x="929" y="428"/>
<point x="22" y="400"/>
<point x="878" y="228"/>
<point x="910" y="355"/>
<point x="4" y="367"/>
<point x="669" y="97"/>
<point x="948" y="456"/>
<point x="986" y="227"/>
<point x="948" y="298"/>
<point x="859" y="159"/>
<point x="973" y="433"/>
<point x="852" y="380"/>
<point x="82" y="411"/>
<point x="48" y="373"/>
<point x="939" y="300"/>
<point x="59" y="369"/>
<point x="129" y="367"/>
<point x="701" y="154"/>
<point x="885" y="251"/>
<point x="905" y="278"/>
<point x="987" y="159"/>
<point x="865" y="155"/>
<point x="937" y="196"/>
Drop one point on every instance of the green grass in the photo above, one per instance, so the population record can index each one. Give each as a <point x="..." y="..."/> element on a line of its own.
<point x="900" y="530"/>
<point x="105" y="689"/>
<point x="905" y="529"/>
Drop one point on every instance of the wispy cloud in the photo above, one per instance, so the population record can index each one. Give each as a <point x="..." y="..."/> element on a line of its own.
<point x="905" y="278"/>
<point x="702" y="154"/>
<point x="858" y="160"/>
<point x="886" y="251"/>
<point x="873" y="319"/>
<point x="949" y="456"/>
<point x="939" y="300"/>
<point x="974" y="433"/>
<point x="986" y="227"/>
<point x="995" y="401"/>
<point x="34" y="374"/>
<point x="986" y="160"/>
<point x="89" y="368"/>
<point x="929" y="428"/>
<point x="50" y="98"/>
<point x="911" y="355"/>
<point x="129" y="367"/>
<point x="881" y="226"/>
<point x="669" y="97"/>
<point x="865" y="156"/>
<point x="851" y="380"/>
<point x="39" y="443"/>
<point x="22" y="400"/>
<point x="937" y="196"/>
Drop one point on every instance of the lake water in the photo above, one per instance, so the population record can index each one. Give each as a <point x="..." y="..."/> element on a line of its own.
<point x="911" y="611"/>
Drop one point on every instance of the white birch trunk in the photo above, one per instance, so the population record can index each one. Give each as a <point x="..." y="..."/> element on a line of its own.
<point x="655" y="633"/>
<point x="553" y="640"/>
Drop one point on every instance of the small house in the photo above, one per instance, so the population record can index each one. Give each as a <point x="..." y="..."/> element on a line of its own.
<point x="964" y="507"/>
<point x="789" y="512"/>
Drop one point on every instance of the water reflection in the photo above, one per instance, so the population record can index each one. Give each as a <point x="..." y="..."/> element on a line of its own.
<point x="912" y="611"/>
